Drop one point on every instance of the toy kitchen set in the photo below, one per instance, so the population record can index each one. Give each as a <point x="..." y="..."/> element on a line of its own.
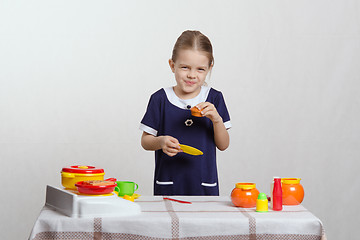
<point x="85" y="193"/>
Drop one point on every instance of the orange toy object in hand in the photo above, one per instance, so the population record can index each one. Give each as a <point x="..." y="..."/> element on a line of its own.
<point x="195" y="112"/>
<point x="292" y="191"/>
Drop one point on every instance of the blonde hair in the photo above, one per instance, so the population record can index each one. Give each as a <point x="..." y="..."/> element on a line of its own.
<point x="193" y="40"/>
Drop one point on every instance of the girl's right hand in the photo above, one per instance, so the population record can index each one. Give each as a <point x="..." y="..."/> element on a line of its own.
<point x="169" y="145"/>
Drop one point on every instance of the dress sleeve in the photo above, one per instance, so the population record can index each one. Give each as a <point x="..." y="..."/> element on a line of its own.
<point x="222" y="110"/>
<point x="151" y="120"/>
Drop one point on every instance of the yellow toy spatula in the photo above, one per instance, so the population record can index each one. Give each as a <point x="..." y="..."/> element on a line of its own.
<point x="190" y="150"/>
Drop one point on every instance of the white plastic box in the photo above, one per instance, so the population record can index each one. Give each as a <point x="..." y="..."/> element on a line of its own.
<point x="78" y="206"/>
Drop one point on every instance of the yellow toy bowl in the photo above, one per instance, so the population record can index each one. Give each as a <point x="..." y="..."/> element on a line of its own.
<point x="77" y="173"/>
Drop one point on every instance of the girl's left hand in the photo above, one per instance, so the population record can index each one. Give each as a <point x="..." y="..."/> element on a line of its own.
<point x="208" y="110"/>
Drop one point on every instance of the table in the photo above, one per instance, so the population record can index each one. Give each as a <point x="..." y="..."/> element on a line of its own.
<point x="206" y="218"/>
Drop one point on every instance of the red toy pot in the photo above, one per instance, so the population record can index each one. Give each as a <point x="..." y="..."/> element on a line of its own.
<point x="96" y="190"/>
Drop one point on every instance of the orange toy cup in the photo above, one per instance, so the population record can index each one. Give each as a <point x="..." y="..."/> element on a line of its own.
<point x="292" y="191"/>
<point x="195" y="112"/>
<point x="244" y="195"/>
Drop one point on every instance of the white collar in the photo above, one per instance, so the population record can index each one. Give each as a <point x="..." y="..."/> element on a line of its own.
<point x="184" y="103"/>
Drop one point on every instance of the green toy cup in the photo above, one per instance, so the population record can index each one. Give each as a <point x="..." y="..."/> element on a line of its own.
<point x="126" y="188"/>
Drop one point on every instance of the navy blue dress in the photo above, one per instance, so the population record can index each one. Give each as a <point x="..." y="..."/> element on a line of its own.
<point x="184" y="174"/>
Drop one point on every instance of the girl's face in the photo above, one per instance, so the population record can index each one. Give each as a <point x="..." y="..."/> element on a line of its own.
<point x="190" y="69"/>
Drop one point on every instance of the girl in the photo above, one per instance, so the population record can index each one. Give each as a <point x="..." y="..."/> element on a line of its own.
<point x="168" y="122"/>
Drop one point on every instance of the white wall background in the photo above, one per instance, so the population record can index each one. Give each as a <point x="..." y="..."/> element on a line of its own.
<point x="76" y="76"/>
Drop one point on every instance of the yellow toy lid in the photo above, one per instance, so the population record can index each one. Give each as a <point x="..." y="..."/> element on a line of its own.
<point x="291" y="180"/>
<point x="245" y="186"/>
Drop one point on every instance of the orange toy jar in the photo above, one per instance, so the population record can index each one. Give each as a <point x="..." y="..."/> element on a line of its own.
<point x="244" y="195"/>
<point x="292" y="191"/>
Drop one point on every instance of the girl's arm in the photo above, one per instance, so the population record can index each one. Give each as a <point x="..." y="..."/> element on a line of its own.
<point x="221" y="135"/>
<point x="168" y="144"/>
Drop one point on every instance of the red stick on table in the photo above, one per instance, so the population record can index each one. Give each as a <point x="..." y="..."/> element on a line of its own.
<point x="175" y="200"/>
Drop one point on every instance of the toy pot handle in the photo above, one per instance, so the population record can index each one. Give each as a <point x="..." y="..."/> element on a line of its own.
<point x="68" y="175"/>
<point x="137" y="186"/>
<point x="111" y="179"/>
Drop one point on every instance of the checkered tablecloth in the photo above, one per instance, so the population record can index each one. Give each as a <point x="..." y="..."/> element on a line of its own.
<point x="206" y="218"/>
